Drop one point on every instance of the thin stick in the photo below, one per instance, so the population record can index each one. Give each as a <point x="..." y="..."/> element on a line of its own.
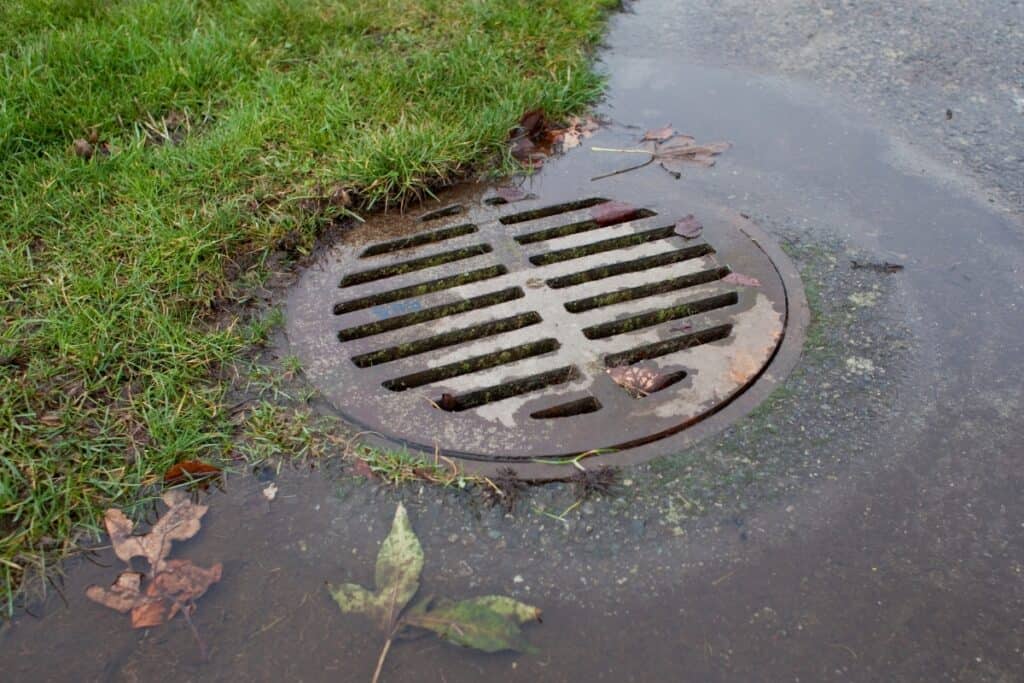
<point x="195" y="633"/>
<point x="620" y="150"/>
<point x="624" y="170"/>
<point x="380" y="660"/>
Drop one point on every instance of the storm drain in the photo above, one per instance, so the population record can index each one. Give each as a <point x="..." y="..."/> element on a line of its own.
<point x="535" y="331"/>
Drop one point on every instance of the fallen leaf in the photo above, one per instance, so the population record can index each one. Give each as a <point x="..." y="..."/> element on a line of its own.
<point x="741" y="279"/>
<point x="689" y="227"/>
<point x="641" y="380"/>
<point x="270" y="492"/>
<point x="488" y="624"/>
<point x="658" y="134"/>
<point x="179" y="523"/>
<point x="123" y="595"/>
<point x="189" y="470"/>
<point x="174" y="585"/>
<point x="609" y="213"/>
<point x="363" y="469"/>
<point x="577" y="130"/>
<point x="683" y="150"/>
<point x="399" y="563"/>
<point x="174" y="589"/>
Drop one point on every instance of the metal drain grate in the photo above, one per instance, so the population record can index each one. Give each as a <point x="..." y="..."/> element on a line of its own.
<point x="492" y="339"/>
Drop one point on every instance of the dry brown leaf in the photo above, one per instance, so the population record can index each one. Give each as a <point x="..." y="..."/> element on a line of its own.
<point x="173" y="589"/>
<point x="658" y="134"/>
<point x="640" y="380"/>
<point x="689" y="227"/>
<point x="610" y="213"/>
<point x="683" y="150"/>
<point x="188" y="470"/>
<point x="122" y="595"/>
<point x="180" y="522"/>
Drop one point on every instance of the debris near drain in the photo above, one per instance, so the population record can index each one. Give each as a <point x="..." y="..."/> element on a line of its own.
<point x="91" y="145"/>
<point x="600" y="481"/>
<point x="503" y="489"/>
<point x="173" y="585"/>
<point x="640" y="380"/>
<point x="191" y="471"/>
<point x="611" y="213"/>
<point x="489" y="623"/>
<point x="508" y="195"/>
<point x="537" y="137"/>
<point x="878" y="267"/>
<point x="670" y="149"/>
<point x="689" y="227"/>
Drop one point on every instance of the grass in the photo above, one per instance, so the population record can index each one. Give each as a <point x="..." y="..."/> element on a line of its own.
<point x="232" y="128"/>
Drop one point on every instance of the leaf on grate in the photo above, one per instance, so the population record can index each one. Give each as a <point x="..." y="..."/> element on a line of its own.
<point x="741" y="279"/>
<point x="612" y="212"/>
<point x="640" y="380"/>
<point x="689" y="227"/>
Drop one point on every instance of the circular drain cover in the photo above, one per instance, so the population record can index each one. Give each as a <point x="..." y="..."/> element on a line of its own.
<point x="534" y="332"/>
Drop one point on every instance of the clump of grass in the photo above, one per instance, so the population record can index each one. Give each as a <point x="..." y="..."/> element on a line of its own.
<point x="398" y="467"/>
<point x="218" y="122"/>
<point x="504" y="489"/>
<point x="598" y="481"/>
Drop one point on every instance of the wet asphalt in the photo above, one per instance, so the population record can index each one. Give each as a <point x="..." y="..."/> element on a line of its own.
<point x="865" y="524"/>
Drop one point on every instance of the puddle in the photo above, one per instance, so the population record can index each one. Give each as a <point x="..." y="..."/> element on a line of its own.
<point x="894" y="551"/>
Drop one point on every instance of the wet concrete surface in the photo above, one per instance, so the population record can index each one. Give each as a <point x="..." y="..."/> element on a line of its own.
<point x="866" y="524"/>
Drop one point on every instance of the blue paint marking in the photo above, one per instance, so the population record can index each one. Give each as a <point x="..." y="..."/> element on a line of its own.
<point x="385" y="311"/>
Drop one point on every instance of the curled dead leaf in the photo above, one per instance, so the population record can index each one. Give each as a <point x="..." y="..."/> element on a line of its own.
<point x="189" y="470"/>
<point x="180" y="522"/>
<point x="612" y="212"/>
<point x="659" y="134"/>
<point x="689" y="227"/>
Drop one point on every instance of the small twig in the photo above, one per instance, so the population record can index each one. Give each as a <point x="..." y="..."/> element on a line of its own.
<point x="195" y="633"/>
<point x="624" y="170"/>
<point x="380" y="660"/>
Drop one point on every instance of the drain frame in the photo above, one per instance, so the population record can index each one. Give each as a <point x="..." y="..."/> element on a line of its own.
<point x="501" y="277"/>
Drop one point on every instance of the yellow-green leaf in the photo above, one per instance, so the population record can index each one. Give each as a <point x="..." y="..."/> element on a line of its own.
<point x="399" y="563"/>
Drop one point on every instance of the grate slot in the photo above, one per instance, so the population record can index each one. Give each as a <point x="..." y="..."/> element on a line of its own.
<point x="470" y="365"/>
<point x="428" y="287"/>
<point x="410" y="266"/>
<point x="634" y="266"/>
<point x="552" y="210"/>
<point x="524" y="385"/>
<point x="576" y="228"/>
<point x="419" y="240"/>
<point x="570" y="409"/>
<point x="643" y="291"/>
<point x="466" y="334"/>
<point x="663" y="348"/>
<point x="442" y="311"/>
<point x="602" y="246"/>
<point x="661" y="315"/>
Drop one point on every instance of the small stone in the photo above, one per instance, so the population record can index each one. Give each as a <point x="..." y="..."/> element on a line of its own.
<point x="518" y="578"/>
